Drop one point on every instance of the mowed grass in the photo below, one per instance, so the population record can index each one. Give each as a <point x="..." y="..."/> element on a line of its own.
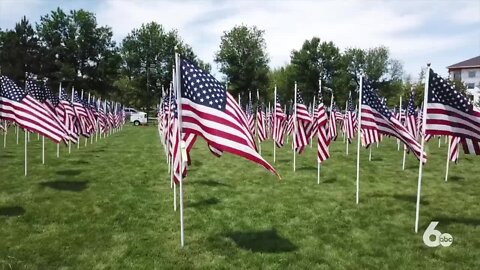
<point x="109" y="206"/>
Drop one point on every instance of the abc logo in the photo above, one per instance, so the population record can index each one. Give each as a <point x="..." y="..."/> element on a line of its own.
<point x="443" y="239"/>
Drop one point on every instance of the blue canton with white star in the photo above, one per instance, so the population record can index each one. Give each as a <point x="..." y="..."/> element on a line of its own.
<point x="371" y="98"/>
<point x="201" y="87"/>
<point x="441" y="91"/>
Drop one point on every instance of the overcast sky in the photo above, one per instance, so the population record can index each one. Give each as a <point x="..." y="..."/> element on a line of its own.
<point x="441" y="32"/>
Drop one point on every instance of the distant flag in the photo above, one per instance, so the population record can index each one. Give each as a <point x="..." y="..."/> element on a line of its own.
<point x="332" y="124"/>
<point x="303" y="119"/>
<point x="261" y="126"/>
<point x="278" y="124"/>
<point x="323" y="140"/>
<point x="376" y="116"/>
<point x="208" y="110"/>
<point x="17" y="106"/>
<point x="411" y="117"/>
<point x="454" y="150"/>
<point x="451" y="113"/>
<point x="350" y="119"/>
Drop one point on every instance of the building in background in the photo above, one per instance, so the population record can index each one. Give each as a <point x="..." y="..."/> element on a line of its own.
<point x="468" y="72"/>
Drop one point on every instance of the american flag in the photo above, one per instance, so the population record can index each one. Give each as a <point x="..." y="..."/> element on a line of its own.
<point x="51" y="103"/>
<point x="179" y="166"/>
<point x="208" y="110"/>
<point x="454" y="150"/>
<point x="350" y="119"/>
<point x="18" y="106"/>
<point x="289" y="121"/>
<point x="69" y="116"/>
<point x="411" y="117"/>
<point x="377" y="116"/>
<point x="261" y="127"/>
<point x="250" y="117"/>
<point x="323" y="141"/>
<point x="82" y="115"/>
<point x="303" y="119"/>
<point x="279" y="124"/>
<point x="332" y="123"/>
<point x="451" y="113"/>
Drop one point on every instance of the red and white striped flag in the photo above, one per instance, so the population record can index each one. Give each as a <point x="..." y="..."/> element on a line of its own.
<point x="261" y="126"/>
<point x="209" y="111"/>
<point x="302" y="120"/>
<point x="322" y="141"/>
<point x="451" y="113"/>
<point x="278" y="124"/>
<point x="17" y="106"/>
<point x="376" y="116"/>
<point x="350" y="120"/>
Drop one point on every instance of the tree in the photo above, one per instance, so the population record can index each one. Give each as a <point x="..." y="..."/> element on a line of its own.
<point x="76" y="49"/>
<point x="243" y="59"/>
<point x="19" y="51"/>
<point x="148" y="55"/>
<point x="315" y="60"/>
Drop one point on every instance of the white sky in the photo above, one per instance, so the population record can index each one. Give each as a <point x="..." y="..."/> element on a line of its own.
<point x="441" y="32"/>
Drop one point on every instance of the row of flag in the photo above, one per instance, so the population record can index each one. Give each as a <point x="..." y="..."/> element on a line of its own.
<point x="199" y="105"/>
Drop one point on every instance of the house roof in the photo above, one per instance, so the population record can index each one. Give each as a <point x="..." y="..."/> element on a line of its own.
<point x="472" y="62"/>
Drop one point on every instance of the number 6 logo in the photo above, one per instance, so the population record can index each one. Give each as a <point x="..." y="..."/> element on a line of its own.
<point x="440" y="239"/>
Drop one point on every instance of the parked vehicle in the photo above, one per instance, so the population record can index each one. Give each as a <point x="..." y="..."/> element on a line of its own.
<point x="129" y="111"/>
<point x="138" y="118"/>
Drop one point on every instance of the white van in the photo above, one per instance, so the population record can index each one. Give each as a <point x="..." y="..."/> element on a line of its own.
<point x="138" y="118"/>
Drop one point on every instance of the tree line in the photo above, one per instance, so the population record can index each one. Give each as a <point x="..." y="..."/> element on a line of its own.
<point x="71" y="47"/>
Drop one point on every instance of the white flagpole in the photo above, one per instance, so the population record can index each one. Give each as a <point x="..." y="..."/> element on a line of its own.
<point x="43" y="149"/>
<point x="78" y="144"/>
<point x="404" y="158"/>
<point x="59" y="95"/>
<point x="420" y="168"/>
<point x="400" y="113"/>
<point x="26" y="142"/>
<point x="69" y="143"/>
<point x="86" y="139"/>
<point x="179" y="111"/>
<point x="448" y="157"/>
<point x="318" y="127"/>
<point x="16" y="131"/>
<point x="370" y="154"/>
<point x="313" y="117"/>
<point x="274" y="123"/>
<point x="439" y="141"/>
<point x="256" y="126"/>
<point x="345" y="123"/>
<point x="5" y="134"/>
<point x="358" y="136"/>
<point x="26" y="133"/>
<point x="294" y="126"/>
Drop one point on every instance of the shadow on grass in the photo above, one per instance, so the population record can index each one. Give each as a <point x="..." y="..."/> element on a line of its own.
<point x="12" y="211"/>
<point x="262" y="241"/>
<point x="98" y="150"/>
<point x="69" y="172"/>
<point x="209" y="183"/>
<point x="329" y="180"/>
<point x="377" y="159"/>
<point x="75" y="186"/>
<point x="307" y="168"/>
<point x="197" y="163"/>
<point x="410" y="198"/>
<point x="458" y="220"/>
<point x="456" y="178"/>
<point x="206" y="202"/>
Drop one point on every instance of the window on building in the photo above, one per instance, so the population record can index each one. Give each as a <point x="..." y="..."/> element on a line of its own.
<point x="457" y="76"/>
<point x="470" y="85"/>
<point x="472" y="74"/>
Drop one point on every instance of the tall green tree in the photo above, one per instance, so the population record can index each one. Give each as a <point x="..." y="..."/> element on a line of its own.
<point x="76" y="49"/>
<point x="243" y="59"/>
<point x="148" y="55"/>
<point x="315" y="60"/>
<point x="19" y="51"/>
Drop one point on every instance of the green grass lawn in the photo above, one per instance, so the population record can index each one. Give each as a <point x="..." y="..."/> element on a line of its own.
<point x="109" y="206"/>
